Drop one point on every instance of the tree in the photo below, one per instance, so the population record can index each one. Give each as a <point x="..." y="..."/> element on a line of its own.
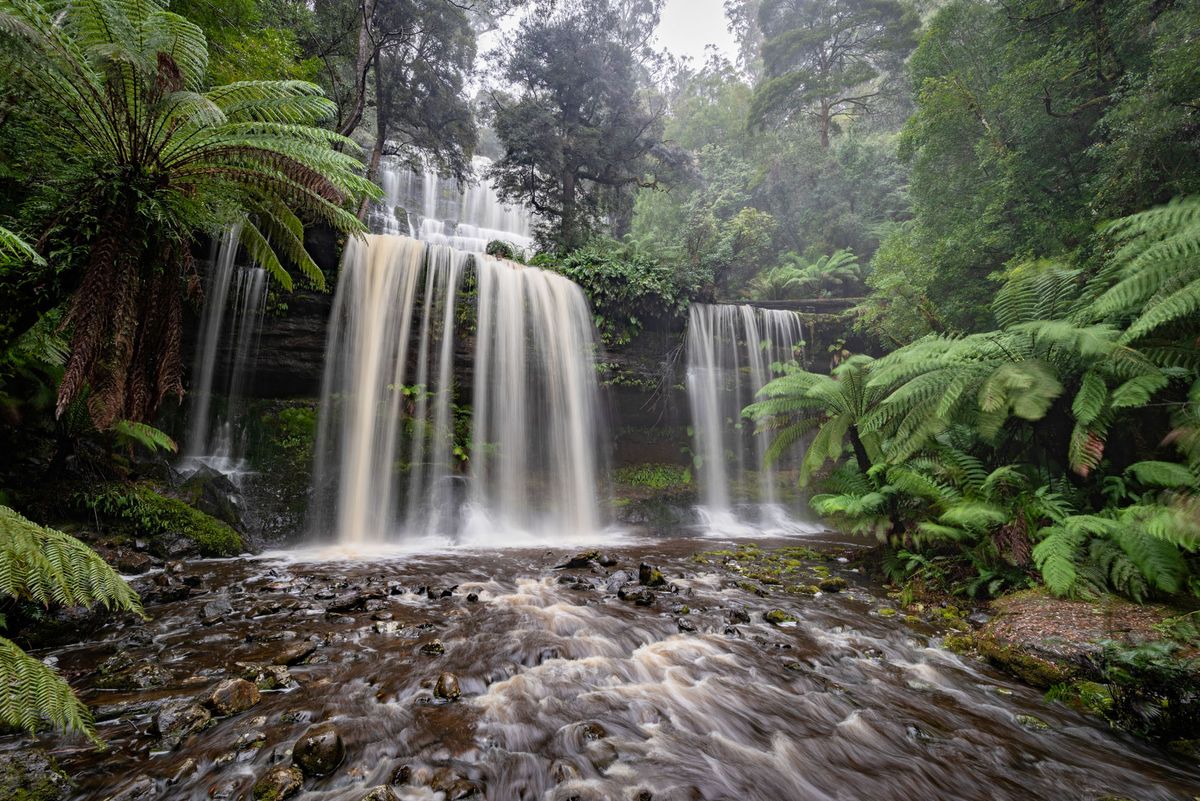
<point x="823" y="58"/>
<point x="578" y="132"/>
<point x="134" y="158"/>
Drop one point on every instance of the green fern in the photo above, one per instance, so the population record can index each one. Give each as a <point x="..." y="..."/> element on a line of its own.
<point x="152" y="439"/>
<point x="45" y="566"/>
<point x="32" y="693"/>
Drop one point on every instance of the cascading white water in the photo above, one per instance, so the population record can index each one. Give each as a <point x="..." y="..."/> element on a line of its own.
<point x="234" y="304"/>
<point x="439" y="211"/>
<point x="387" y="467"/>
<point x="730" y="351"/>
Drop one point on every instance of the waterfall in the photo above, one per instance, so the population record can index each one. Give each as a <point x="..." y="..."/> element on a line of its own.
<point x="730" y="350"/>
<point x="438" y="211"/>
<point x="393" y="460"/>
<point x="234" y="304"/>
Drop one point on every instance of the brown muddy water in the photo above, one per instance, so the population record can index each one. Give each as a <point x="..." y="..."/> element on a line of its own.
<point x="569" y="691"/>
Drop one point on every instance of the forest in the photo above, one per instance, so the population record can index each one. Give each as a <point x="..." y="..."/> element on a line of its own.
<point x="446" y="399"/>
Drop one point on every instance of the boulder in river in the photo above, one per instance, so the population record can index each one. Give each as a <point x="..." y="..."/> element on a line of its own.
<point x="319" y="750"/>
<point x="233" y="696"/>
<point x="212" y="492"/>
<point x="650" y="576"/>
<point x="833" y="584"/>
<point x="380" y="793"/>
<point x="278" y="783"/>
<point x="216" y="610"/>
<point x="176" y="721"/>
<point x="433" y="648"/>
<point x="31" y="774"/>
<point x="447" y="687"/>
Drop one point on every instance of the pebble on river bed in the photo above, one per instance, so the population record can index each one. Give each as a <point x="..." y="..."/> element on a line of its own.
<point x="447" y="687"/>
<point x="319" y="750"/>
<point x="233" y="696"/>
<point x="278" y="783"/>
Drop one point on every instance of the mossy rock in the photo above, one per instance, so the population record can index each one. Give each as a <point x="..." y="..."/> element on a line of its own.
<point x="778" y="617"/>
<point x="140" y="509"/>
<point x="959" y="643"/>
<point x="1030" y="668"/>
<point x="32" y="775"/>
<point x="835" y="584"/>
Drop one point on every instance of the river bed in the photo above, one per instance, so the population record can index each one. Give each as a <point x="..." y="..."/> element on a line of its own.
<point x="575" y="683"/>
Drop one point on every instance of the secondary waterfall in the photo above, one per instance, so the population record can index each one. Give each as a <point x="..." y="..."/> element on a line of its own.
<point x="730" y="350"/>
<point x="398" y="457"/>
<point x="438" y="210"/>
<point x="234" y="303"/>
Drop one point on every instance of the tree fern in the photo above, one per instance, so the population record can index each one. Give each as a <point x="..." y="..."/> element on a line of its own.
<point x="149" y="437"/>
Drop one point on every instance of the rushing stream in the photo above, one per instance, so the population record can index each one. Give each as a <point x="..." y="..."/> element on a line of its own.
<point x="571" y="691"/>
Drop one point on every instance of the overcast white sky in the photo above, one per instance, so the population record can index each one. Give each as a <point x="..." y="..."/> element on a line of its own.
<point x="689" y="25"/>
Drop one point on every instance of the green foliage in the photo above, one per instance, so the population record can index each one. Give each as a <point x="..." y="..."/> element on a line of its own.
<point x="32" y="692"/>
<point x="1155" y="689"/>
<point x="836" y="275"/>
<point x="152" y="439"/>
<point x="46" y="567"/>
<point x="653" y="476"/>
<point x="625" y="287"/>
<point x="142" y="510"/>
<point x="135" y="156"/>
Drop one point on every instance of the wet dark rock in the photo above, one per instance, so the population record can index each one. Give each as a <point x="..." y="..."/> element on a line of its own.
<point x="685" y="625"/>
<point x="580" y="560"/>
<point x="294" y="653"/>
<point x="138" y="678"/>
<point x="382" y="616"/>
<point x="643" y="598"/>
<point x="463" y="789"/>
<point x="732" y="631"/>
<point x="617" y="580"/>
<point x="739" y="616"/>
<point x="132" y="562"/>
<point x="347" y="602"/>
<point x="447" y="687"/>
<point x="122" y="660"/>
<point x="213" y="493"/>
<point x="978" y="619"/>
<point x="832" y="584"/>
<point x="176" y="721"/>
<point x="140" y="789"/>
<point x="433" y="648"/>
<point x="278" y="783"/>
<point x="265" y="676"/>
<point x="216" y="610"/>
<point x="380" y="793"/>
<point x="402" y="775"/>
<point x="319" y="750"/>
<point x="447" y="593"/>
<point x="644" y="795"/>
<point x="472" y="597"/>
<point x="649" y="576"/>
<point x="606" y="560"/>
<point x="233" y="696"/>
<point x="31" y="774"/>
<point x="778" y="617"/>
<point x="250" y="740"/>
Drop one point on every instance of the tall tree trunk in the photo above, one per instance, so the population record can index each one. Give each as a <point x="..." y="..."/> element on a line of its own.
<point x="569" y="229"/>
<point x="824" y="123"/>
<point x="367" y="55"/>
<point x="381" y="133"/>
<point x="860" y="450"/>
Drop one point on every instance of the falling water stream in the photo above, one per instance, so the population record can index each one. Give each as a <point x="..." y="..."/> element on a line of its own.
<point x="235" y="302"/>
<point x="439" y="211"/>
<point x="394" y="458"/>
<point x="730" y="353"/>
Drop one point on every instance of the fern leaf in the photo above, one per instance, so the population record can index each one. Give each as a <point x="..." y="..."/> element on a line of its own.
<point x="32" y="693"/>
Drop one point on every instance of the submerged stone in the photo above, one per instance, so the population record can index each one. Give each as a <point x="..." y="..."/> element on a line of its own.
<point x="319" y="750"/>
<point x="380" y="793"/>
<point x="176" y="721"/>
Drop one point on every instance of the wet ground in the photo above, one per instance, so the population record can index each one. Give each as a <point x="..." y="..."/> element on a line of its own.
<point x="572" y="683"/>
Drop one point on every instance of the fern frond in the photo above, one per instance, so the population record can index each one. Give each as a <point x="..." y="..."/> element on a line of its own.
<point x="32" y="693"/>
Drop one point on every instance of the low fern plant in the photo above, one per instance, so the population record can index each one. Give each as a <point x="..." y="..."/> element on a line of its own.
<point x="47" y="567"/>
